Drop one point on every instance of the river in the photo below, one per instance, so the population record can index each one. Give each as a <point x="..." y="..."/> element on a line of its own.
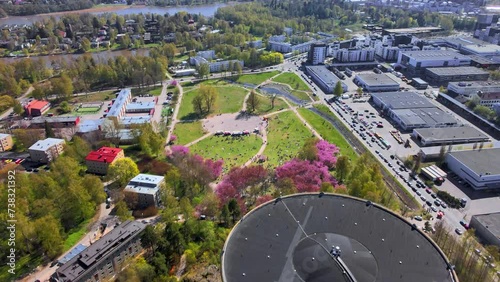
<point x="99" y="56"/>
<point x="205" y="10"/>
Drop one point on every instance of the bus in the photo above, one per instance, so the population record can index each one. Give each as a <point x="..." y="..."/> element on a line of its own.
<point x="386" y="144"/>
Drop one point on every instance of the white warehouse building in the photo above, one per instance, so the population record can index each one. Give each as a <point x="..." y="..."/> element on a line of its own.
<point x="480" y="168"/>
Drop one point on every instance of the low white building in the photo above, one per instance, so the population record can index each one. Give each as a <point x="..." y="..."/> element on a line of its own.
<point x="480" y="168"/>
<point x="417" y="61"/>
<point x="45" y="151"/>
<point x="144" y="189"/>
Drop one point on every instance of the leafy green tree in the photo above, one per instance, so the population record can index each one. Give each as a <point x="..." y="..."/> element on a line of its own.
<point x="85" y="44"/>
<point x="49" y="133"/>
<point x="150" y="239"/>
<point x="48" y="233"/>
<point x="125" y="41"/>
<point x="18" y="108"/>
<point x="203" y="70"/>
<point x="253" y="101"/>
<point x="122" y="170"/>
<point x="234" y="209"/>
<point x="64" y="107"/>
<point x="338" y="90"/>
<point x="209" y="96"/>
<point x="121" y="210"/>
<point x="62" y="87"/>
<point x="197" y="103"/>
<point x="342" y="168"/>
<point x="225" y="215"/>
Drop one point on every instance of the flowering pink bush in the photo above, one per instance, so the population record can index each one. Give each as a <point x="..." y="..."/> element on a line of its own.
<point x="179" y="150"/>
<point x="263" y="199"/>
<point x="307" y="176"/>
<point x="173" y="83"/>
<point x="327" y="153"/>
<point x="173" y="138"/>
<point x="237" y="180"/>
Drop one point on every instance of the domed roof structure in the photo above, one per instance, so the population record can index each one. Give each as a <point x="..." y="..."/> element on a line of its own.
<point x="330" y="237"/>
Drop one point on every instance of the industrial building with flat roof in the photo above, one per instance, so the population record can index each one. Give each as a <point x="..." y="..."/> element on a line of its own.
<point x="105" y="258"/>
<point x="411" y="30"/>
<point x="330" y="237"/>
<point x="473" y="87"/>
<point x="324" y="78"/>
<point x="483" y="50"/>
<point x="140" y="107"/>
<point x="146" y="189"/>
<point x="416" y="62"/>
<point x="487" y="227"/>
<point x="441" y="76"/>
<point x="480" y="167"/>
<point x="373" y="82"/>
<point x="448" y="135"/>
<point x="411" y="110"/>
<point x="60" y="121"/>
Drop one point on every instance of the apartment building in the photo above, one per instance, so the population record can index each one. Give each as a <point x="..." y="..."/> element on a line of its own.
<point x="45" y="151"/>
<point x="99" y="161"/>
<point x="145" y="189"/>
<point x="6" y="142"/>
<point x="105" y="258"/>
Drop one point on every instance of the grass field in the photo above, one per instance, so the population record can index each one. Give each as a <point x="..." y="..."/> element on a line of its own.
<point x="94" y="97"/>
<point x="293" y="80"/>
<point x="88" y="109"/>
<point x="265" y="106"/>
<point x="328" y="132"/>
<point x="235" y="151"/>
<point x="229" y="100"/>
<point x="301" y="95"/>
<point x="257" y="78"/>
<point x="23" y="265"/>
<point x="188" y="131"/>
<point x="285" y="137"/>
<point x="75" y="235"/>
<point x="214" y="82"/>
<point x="155" y="91"/>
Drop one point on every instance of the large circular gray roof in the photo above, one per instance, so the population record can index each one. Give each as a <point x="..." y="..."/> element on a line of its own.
<point x="291" y="239"/>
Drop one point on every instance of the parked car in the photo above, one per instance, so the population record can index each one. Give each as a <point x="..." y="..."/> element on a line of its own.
<point x="418" y="218"/>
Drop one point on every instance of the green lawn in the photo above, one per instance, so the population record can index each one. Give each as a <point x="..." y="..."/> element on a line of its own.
<point x="23" y="265"/>
<point x="188" y="131"/>
<point x="75" y="235"/>
<point x="301" y="95"/>
<point x="155" y="91"/>
<point x="328" y="132"/>
<point x="88" y="109"/>
<point x="285" y="137"/>
<point x="229" y="100"/>
<point x="265" y="106"/>
<point x="214" y="82"/>
<point x="293" y="80"/>
<point x="235" y="151"/>
<point x="94" y="97"/>
<point x="180" y="58"/>
<point x="257" y="78"/>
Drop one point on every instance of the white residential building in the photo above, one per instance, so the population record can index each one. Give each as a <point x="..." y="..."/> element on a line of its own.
<point x="145" y="190"/>
<point x="45" y="151"/>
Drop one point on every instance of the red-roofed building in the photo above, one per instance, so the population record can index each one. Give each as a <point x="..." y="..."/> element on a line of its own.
<point x="98" y="161"/>
<point x="36" y="108"/>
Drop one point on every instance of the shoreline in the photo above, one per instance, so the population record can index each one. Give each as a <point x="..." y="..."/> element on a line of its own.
<point x="108" y="8"/>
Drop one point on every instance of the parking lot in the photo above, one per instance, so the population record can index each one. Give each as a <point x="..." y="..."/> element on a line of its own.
<point x="368" y="122"/>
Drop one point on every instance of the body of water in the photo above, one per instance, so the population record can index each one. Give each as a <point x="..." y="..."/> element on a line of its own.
<point x="205" y="10"/>
<point x="100" y="56"/>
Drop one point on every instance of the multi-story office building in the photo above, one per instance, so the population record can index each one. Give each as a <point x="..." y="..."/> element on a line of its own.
<point x="45" y="151"/>
<point x="351" y="55"/>
<point x="105" y="258"/>
<point x="119" y="106"/>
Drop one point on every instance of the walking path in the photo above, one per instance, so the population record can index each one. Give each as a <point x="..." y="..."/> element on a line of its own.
<point x="198" y="140"/>
<point x="174" y="117"/>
